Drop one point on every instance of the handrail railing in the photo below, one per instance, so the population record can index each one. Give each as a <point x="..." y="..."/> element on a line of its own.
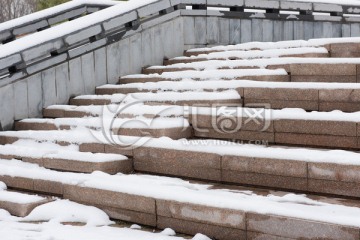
<point x="52" y="46"/>
<point x="44" y="19"/>
<point x="275" y="6"/>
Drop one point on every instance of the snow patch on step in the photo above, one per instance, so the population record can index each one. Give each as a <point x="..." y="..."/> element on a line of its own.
<point x="136" y="109"/>
<point x="317" y="42"/>
<point x="193" y="85"/>
<point x="187" y="96"/>
<point x="62" y="211"/>
<point x="286" y="113"/>
<point x="269" y="53"/>
<point x="33" y="149"/>
<point x="10" y="230"/>
<point x="130" y="123"/>
<point x="261" y="63"/>
<point x="211" y="74"/>
<point x="20" y="198"/>
<point x="3" y="186"/>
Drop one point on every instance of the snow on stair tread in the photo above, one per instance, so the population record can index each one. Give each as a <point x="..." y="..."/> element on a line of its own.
<point x="204" y="145"/>
<point x="166" y="96"/>
<point x="210" y="74"/>
<point x="13" y="230"/>
<point x="174" y="189"/>
<point x="20" y="198"/>
<point x="270" y="53"/>
<point x="187" y="96"/>
<point x="231" y="84"/>
<point x="259" y="63"/>
<point x="287" y="113"/>
<point x="138" y="109"/>
<point x="258" y="151"/>
<point x="31" y="149"/>
<point x="77" y="136"/>
<point x="114" y="98"/>
<point x="140" y="123"/>
<point x="278" y="45"/>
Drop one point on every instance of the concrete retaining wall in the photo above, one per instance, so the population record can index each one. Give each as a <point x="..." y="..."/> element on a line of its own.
<point x="27" y="97"/>
<point x="203" y="31"/>
<point x="77" y="71"/>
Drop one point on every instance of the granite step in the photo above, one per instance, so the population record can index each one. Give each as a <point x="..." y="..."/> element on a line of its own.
<point x="343" y="65"/>
<point x="218" y="211"/>
<point x="62" y="158"/>
<point x="277" y="75"/>
<point x="277" y="95"/>
<point x="20" y="204"/>
<point x="300" y="169"/>
<point x="318" y="171"/>
<point x="175" y="128"/>
<point x="338" y="47"/>
<point x="85" y="141"/>
<point x="85" y="100"/>
<point x="230" y="97"/>
<point x="306" y="52"/>
<point x="342" y="70"/>
<point x="120" y="111"/>
<point x="286" y="127"/>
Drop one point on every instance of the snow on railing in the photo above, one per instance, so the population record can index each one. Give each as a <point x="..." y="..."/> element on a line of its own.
<point x="300" y="7"/>
<point x="41" y="20"/>
<point x="38" y="51"/>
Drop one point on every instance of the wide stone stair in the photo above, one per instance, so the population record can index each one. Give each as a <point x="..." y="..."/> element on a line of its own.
<point x="250" y="141"/>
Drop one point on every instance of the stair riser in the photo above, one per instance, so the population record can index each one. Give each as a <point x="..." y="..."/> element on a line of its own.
<point x="88" y="102"/>
<point x="173" y="133"/>
<point x="334" y="179"/>
<point x="267" y="78"/>
<point x="307" y="55"/>
<point x="293" y="139"/>
<point x="187" y="217"/>
<point x="346" y="100"/>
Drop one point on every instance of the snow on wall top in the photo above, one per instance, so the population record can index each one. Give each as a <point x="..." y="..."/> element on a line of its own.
<point x="69" y="27"/>
<point x="51" y="11"/>
<point x="342" y="2"/>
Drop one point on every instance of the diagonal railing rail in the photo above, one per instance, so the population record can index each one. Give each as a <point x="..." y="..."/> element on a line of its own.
<point x="38" y="21"/>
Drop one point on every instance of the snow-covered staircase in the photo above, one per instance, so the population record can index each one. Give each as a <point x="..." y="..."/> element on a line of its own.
<point x="224" y="141"/>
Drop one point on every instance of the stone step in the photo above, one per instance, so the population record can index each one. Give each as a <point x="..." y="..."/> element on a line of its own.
<point x="308" y="96"/>
<point x="218" y="211"/>
<point x="120" y="111"/>
<point x="306" y="52"/>
<point x="338" y="47"/>
<point x="299" y="69"/>
<point x="278" y="95"/>
<point x="288" y="126"/>
<point x="86" y="141"/>
<point x="175" y="128"/>
<point x="61" y="158"/>
<point x="85" y="100"/>
<point x="20" y="204"/>
<point x="190" y="98"/>
<point x="278" y="167"/>
<point x="278" y="75"/>
<point x="170" y="86"/>
<point x="271" y="63"/>
<point x="296" y="169"/>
